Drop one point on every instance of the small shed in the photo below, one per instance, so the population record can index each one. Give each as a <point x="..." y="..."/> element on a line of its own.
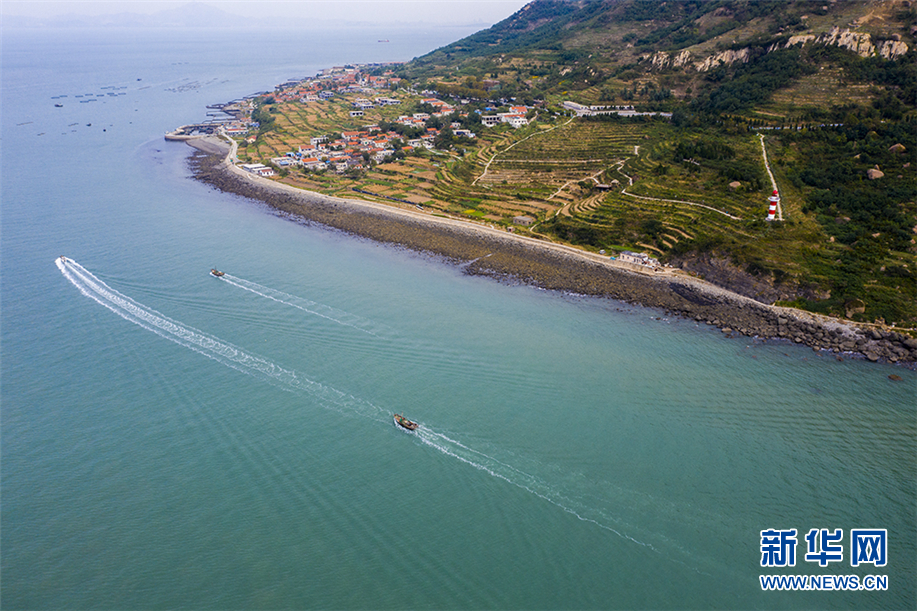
<point x="525" y="220"/>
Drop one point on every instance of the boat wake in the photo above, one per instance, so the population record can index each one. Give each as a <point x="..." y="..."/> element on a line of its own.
<point x="521" y="479"/>
<point x="330" y="398"/>
<point x="311" y="307"/>
<point x="208" y="345"/>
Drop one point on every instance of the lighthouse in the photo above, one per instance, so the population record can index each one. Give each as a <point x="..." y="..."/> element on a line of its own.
<point x="772" y="209"/>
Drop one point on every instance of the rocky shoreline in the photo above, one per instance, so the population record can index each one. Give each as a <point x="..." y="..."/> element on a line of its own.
<point x="509" y="258"/>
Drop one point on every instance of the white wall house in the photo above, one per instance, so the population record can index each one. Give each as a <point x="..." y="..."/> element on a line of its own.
<point x="258" y="168"/>
<point x="514" y="120"/>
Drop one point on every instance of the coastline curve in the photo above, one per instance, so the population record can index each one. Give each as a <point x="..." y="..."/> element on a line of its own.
<point x="486" y="251"/>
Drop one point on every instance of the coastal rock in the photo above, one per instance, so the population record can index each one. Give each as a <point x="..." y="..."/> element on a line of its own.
<point x="721" y="271"/>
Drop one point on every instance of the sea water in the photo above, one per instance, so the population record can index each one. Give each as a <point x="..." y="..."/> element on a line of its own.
<point x="175" y="440"/>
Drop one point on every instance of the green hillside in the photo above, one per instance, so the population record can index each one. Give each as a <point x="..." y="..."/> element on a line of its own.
<point x="830" y="90"/>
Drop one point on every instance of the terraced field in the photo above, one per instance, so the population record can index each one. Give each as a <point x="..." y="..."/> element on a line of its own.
<point x="595" y="183"/>
<point x="656" y="201"/>
<point x="571" y="152"/>
<point x="581" y="141"/>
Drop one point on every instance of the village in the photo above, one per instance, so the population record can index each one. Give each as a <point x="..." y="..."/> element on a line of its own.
<point x="358" y="149"/>
<point x="415" y="130"/>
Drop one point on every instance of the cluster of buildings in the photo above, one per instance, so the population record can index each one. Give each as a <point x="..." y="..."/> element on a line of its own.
<point x="362" y="104"/>
<point x="515" y="117"/>
<point x="337" y="80"/>
<point x="638" y="258"/>
<point x="354" y="149"/>
<point x="622" y="111"/>
<point x="419" y="119"/>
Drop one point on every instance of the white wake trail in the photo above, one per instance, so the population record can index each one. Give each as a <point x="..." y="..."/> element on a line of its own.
<point x="330" y="398"/>
<point x="208" y="345"/>
<point x="520" y="479"/>
<point x="299" y="303"/>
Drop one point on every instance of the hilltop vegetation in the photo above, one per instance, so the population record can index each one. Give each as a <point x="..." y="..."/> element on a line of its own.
<point x="830" y="90"/>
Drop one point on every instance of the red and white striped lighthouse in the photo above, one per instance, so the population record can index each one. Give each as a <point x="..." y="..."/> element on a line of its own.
<point x="772" y="210"/>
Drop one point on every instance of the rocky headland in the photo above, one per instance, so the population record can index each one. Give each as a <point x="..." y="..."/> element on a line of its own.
<point x="507" y="257"/>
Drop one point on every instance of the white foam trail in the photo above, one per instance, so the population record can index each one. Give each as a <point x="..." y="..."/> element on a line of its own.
<point x="208" y="345"/>
<point x="223" y="352"/>
<point x="296" y="302"/>
<point x="511" y="475"/>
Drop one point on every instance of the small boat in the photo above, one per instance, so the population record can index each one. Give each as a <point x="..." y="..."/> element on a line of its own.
<point x="404" y="422"/>
<point x="217" y="272"/>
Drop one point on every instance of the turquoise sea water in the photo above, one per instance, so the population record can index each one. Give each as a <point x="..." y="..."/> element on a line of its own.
<point x="173" y="440"/>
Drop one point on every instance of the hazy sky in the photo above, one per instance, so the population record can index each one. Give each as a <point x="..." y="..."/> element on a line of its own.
<point x="437" y="11"/>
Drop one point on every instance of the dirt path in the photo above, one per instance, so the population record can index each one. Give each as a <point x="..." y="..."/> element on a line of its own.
<point x="773" y="182"/>
<point x="630" y="182"/>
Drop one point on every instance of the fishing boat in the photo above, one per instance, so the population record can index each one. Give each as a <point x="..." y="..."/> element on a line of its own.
<point x="216" y="272"/>
<point x="404" y="422"/>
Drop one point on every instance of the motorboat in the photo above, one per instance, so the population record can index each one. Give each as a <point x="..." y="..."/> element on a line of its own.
<point x="404" y="422"/>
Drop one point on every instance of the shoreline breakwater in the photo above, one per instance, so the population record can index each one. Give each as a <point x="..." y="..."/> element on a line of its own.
<point x="510" y="258"/>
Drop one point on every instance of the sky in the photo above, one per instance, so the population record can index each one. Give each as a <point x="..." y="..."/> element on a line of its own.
<point x="380" y="11"/>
